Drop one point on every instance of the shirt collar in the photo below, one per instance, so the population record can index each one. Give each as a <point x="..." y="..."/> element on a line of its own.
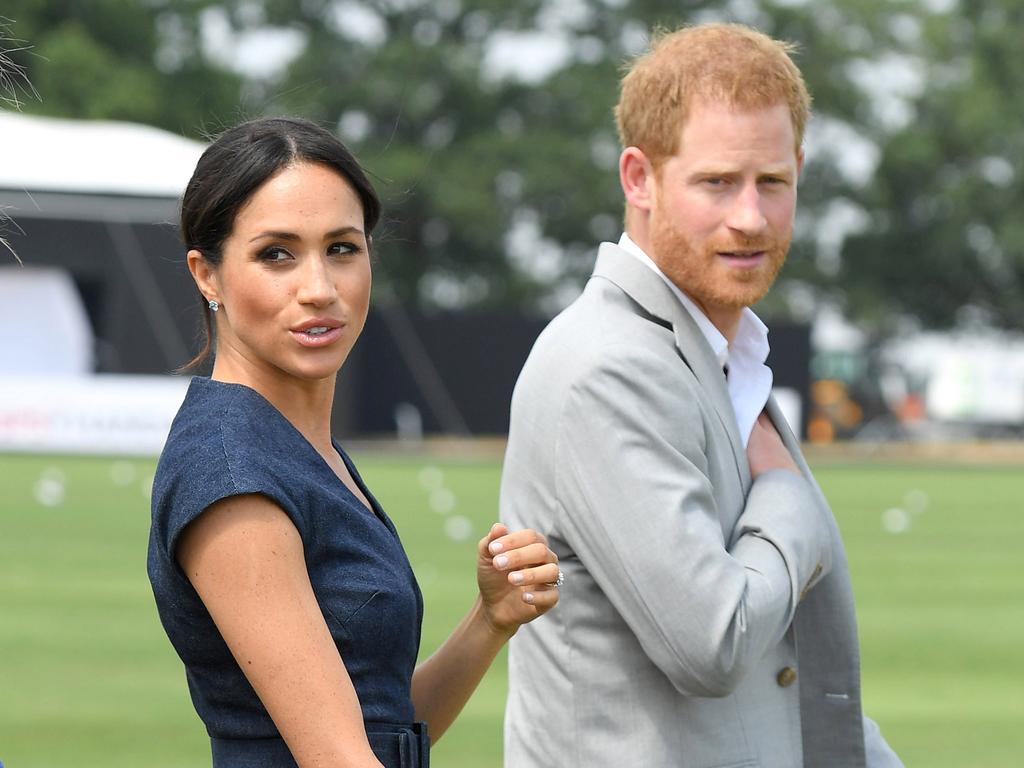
<point x="751" y="337"/>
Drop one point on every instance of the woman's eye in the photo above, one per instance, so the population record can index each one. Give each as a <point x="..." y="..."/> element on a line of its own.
<point x="275" y="255"/>
<point x="343" y="248"/>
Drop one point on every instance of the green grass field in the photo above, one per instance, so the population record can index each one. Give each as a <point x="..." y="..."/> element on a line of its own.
<point x="87" y="677"/>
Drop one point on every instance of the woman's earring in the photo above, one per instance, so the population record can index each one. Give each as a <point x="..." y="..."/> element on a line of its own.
<point x="214" y="305"/>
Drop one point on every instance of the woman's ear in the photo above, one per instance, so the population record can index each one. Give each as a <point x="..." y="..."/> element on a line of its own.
<point x="203" y="273"/>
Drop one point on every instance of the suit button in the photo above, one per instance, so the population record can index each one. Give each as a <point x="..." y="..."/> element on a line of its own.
<point x="786" y="677"/>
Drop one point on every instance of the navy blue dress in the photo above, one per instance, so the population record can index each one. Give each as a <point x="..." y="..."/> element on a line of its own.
<point x="228" y="440"/>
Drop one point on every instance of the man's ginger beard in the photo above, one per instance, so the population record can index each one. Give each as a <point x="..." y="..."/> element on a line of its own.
<point x="699" y="272"/>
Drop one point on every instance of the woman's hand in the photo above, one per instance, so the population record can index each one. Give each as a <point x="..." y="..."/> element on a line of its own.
<point x="516" y="573"/>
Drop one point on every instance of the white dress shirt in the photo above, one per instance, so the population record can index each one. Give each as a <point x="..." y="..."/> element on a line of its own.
<point x="749" y="379"/>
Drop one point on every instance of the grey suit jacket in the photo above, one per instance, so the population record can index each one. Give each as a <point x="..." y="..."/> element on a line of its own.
<point x="706" y="619"/>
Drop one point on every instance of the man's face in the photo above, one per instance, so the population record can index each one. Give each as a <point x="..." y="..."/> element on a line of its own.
<point x="722" y="214"/>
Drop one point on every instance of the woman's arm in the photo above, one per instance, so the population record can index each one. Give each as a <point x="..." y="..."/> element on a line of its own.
<point x="244" y="557"/>
<point x="513" y="591"/>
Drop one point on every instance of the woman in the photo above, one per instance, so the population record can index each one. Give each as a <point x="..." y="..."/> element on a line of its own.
<point x="280" y="581"/>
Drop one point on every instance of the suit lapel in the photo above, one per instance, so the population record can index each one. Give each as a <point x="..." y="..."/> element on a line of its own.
<point x="656" y="298"/>
<point x="793" y="446"/>
<point x="788" y="438"/>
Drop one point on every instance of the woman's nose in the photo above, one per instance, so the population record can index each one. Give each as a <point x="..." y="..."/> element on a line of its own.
<point x="315" y="286"/>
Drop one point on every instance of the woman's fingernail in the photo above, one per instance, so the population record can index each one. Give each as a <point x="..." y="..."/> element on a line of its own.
<point x="495" y="547"/>
<point x="517" y="578"/>
<point x="528" y="597"/>
<point x="501" y="561"/>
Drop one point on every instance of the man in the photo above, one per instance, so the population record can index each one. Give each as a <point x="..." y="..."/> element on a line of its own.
<point x="707" y="617"/>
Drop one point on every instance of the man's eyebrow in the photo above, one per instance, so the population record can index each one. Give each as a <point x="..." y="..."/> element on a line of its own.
<point x="780" y="170"/>
<point x="732" y="171"/>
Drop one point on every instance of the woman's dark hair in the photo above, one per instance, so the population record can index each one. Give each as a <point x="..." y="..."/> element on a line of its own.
<point x="236" y="164"/>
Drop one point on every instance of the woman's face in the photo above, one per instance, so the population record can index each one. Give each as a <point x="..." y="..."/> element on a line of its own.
<point x="294" y="283"/>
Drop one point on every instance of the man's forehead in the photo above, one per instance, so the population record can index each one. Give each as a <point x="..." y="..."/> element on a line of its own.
<point x="718" y="119"/>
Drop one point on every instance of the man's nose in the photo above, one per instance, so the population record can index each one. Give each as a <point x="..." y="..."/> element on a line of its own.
<point x="747" y="215"/>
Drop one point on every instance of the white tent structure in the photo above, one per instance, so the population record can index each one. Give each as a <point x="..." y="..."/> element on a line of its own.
<point x="94" y="157"/>
<point x="90" y="207"/>
<point x="98" y="200"/>
<point x="43" y="325"/>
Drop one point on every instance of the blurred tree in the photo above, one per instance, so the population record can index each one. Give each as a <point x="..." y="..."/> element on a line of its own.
<point x="488" y="126"/>
<point x="909" y="202"/>
<point x="944" y="237"/>
<point x="124" y="60"/>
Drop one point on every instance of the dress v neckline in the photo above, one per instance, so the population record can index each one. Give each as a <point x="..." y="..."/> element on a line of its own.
<point x="375" y="509"/>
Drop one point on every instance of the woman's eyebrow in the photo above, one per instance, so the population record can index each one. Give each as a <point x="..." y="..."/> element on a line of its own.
<point x="282" y="235"/>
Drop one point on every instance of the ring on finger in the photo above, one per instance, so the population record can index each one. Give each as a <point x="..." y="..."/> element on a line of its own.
<point x="559" y="581"/>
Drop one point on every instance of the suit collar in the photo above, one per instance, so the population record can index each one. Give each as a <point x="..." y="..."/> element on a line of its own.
<point x="718" y="343"/>
<point x="655" y="297"/>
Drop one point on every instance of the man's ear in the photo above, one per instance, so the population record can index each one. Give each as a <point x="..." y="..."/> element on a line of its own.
<point x="204" y="274"/>
<point x="799" y="161"/>
<point x="636" y="175"/>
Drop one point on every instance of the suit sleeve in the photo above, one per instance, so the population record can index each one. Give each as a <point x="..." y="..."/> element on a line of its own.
<point x="877" y="751"/>
<point x="639" y="510"/>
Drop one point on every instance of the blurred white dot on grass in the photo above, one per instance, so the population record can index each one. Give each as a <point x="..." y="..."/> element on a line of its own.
<point x="916" y="501"/>
<point x="122" y="473"/>
<point x="431" y="478"/>
<point x="458" y="528"/>
<point x="895" y="520"/>
<point x="442" y="501"/>
<point x="50" y="488"/>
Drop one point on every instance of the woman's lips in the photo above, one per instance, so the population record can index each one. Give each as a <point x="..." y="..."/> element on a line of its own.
<point x="312" y="337"/>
